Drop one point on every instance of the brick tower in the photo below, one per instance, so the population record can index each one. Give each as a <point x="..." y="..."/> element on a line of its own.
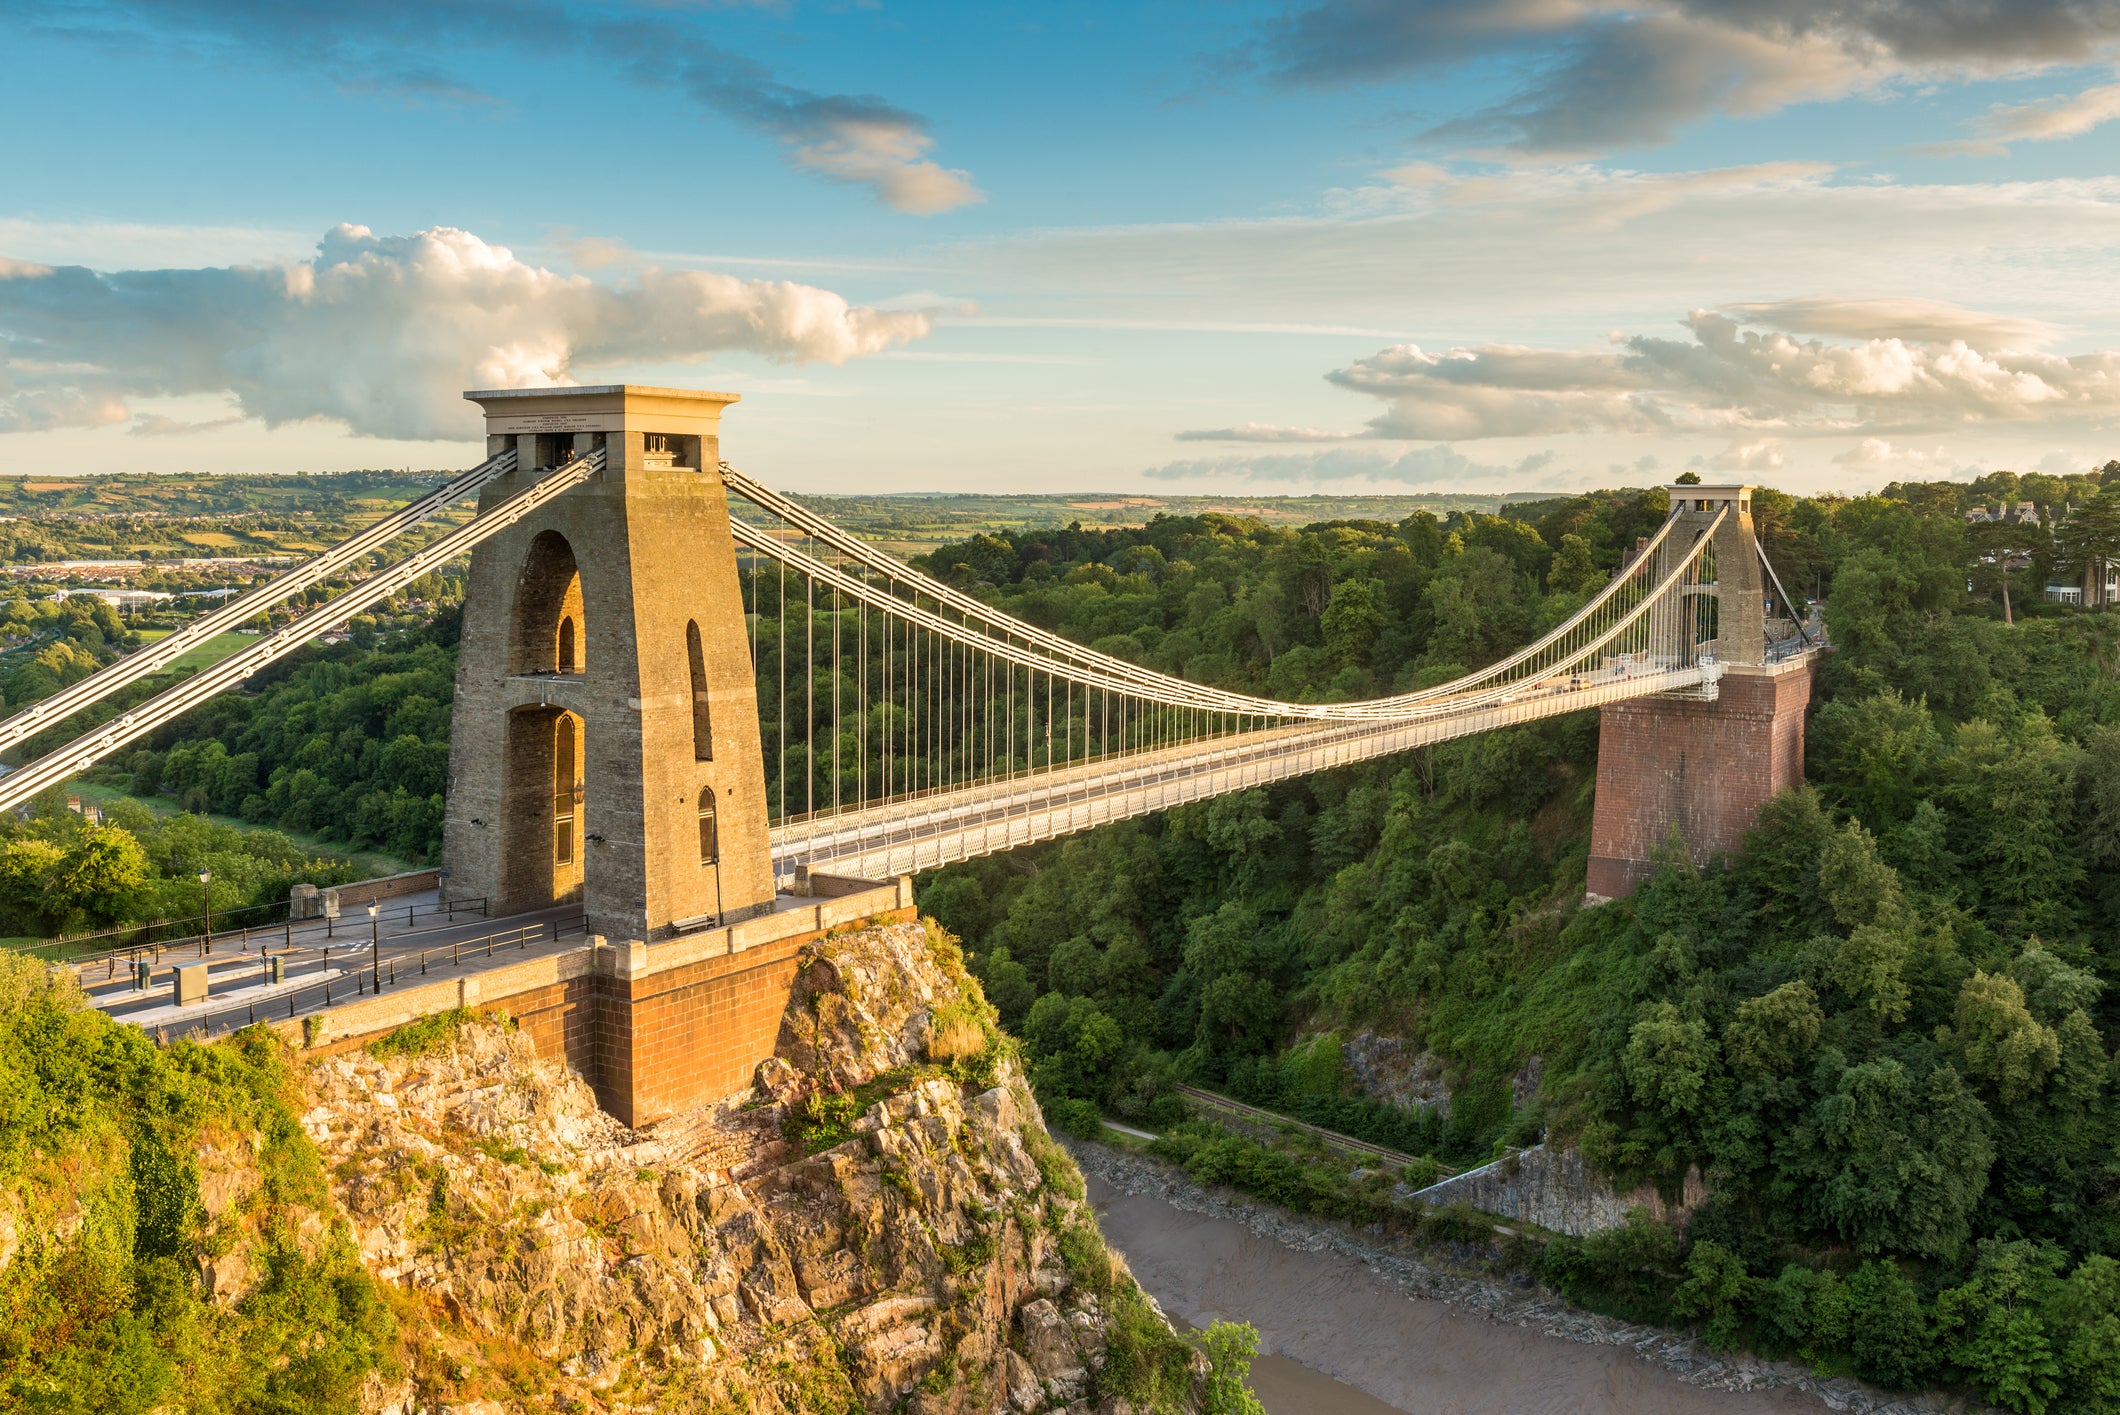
<point x="1700" y="766"/>
<point x="604" y="742"/>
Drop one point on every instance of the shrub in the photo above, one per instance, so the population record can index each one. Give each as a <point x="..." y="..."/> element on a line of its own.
<point x="1230" y="1347"/>
<point x="1715" y="1293"/>
<point x="1889" y="1333"/>
<point x="1077" y="1118"/>
<point x="426" y="1036"/>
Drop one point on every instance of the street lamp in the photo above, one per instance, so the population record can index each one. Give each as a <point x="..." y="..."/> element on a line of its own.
<point x="206" y="911"/>
<point x="375" y="945"/>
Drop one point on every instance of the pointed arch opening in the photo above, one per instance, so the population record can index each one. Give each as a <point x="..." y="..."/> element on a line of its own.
<point x="702" y="707"/>
<point x="709" y="828"/>
<point x="548" y="633"/>
<point x="543" y="823"/>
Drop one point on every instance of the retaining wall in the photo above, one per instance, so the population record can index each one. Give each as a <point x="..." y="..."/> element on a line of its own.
<point x="654" y="1028"/>
<point x="1555" y="1190"/>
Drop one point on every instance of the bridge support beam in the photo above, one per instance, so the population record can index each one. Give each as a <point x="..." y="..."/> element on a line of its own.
<point x="604" y="739"/>
<point x="1694" y="768"/>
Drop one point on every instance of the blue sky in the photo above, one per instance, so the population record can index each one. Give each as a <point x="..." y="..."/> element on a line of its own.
<point x="1270" y="247"/>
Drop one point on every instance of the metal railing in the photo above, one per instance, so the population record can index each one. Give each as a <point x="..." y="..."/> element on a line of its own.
<point x="284" y="929"/>
<point x="335" y="986"/>
<point x="982" y="818"/>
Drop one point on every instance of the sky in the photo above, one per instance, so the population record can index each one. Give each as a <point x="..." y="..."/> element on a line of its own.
<point x="1432" y="245"/>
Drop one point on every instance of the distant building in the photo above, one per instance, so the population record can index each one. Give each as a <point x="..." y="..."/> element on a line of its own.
<point x="2079" y="594"/>
<point x="124" y="601"/>
<point x="2023" y="513"/>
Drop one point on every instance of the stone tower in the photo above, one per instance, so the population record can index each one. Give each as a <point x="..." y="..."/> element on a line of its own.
<point x="604" y="741"/>
<point x="1697" y="767"/>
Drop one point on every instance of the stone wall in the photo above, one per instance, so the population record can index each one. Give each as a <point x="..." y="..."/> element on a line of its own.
<point x="1701" y="768"/>
<point x="1555" y="1190"/>
<point x="636" y="556"/>
<point x="653" y="1028"/>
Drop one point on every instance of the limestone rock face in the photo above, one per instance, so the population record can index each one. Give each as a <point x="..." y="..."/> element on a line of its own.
<point x="862" y="1230"/>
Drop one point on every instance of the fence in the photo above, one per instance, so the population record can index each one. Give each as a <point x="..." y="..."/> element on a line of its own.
<point x="373" y="977"/>
<point x="285" y="930"/>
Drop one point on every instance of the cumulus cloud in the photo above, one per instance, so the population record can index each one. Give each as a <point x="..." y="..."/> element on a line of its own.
<point x="1754" y="385"/>
<point x="1601" y="73"/>
<point x="384" y="46"/>
<point x="381" y="333"/>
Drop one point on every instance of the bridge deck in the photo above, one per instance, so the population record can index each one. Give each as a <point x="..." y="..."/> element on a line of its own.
<point x="907" y="836"/>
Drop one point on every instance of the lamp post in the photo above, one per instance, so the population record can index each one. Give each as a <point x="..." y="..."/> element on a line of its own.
<point x="375" y="945"/>
<point x="206" y="911"/>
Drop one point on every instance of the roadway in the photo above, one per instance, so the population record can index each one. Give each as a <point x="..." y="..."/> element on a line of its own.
<point x="322" y="965"/>
<point x="910" y="834"/>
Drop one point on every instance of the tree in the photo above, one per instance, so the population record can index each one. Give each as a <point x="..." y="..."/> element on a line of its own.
<point x="99" y="877"/>
<point x="1890" y="1336"/>
<point x="1999" y="1039"/>
<point x="1994" y="1328"/>
<point x="1230" y="1347"/>
<point x="1715" y="1293"/>
<point x="1573" y="570"/>
<point x="2004" y="547"/>
<point x="2090" y="537"/>
<point x="1774" y="1033"/>
<point x="1353" y="620"/>
<point x="1898" y="1163"/>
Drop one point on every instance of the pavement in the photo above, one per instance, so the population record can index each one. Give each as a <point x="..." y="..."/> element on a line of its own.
<point x="410" y="941"/>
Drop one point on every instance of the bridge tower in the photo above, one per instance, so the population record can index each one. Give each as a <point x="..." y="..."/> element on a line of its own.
<point x="604" y="742"/>
<point x="1699" y="765"/>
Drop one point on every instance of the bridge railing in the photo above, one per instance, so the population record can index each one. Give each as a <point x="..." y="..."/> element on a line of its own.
<point x="326" y="984"/>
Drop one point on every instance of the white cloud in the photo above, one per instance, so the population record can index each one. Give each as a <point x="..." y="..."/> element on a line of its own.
<point x="2056" y="118"/>
<point x="1595" y="74"/>
<point x="1877" y="454"/>
<point x="891" y="158"/>
<point x="1424" y="466"/>
<point x="1764" y="455"/>
<point x="382" y="333"/>
<point x="1265" y="432"/>
<point x="1573" y="249"/>
<point x="848" y="137"/>
<point x="1753" y="385"/>
<point x="1927" y="321"/>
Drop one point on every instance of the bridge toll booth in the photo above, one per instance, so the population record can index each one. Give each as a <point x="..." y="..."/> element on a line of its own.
<point x="604" y="741"/>
<point x="1697" y="765"/>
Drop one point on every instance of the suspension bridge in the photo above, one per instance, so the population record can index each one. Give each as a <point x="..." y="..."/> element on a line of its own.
<point x="689" y="722"/>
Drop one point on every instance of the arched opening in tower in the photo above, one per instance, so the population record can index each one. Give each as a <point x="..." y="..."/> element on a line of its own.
<point x="549" y="632"/>
<point x="544" y="842"/>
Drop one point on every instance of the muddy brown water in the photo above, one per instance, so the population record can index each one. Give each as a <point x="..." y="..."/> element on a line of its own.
<point x="1338" y="1339"/>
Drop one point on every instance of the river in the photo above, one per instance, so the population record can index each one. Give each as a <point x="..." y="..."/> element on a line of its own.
<point x="1340" y="1339"/>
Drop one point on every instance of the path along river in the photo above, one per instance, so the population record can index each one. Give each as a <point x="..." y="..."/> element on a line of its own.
<point x="1340" y="1338"/>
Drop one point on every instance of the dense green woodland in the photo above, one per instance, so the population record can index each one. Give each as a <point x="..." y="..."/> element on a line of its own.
<point x="1881" y="1035"/>
<point x="346" y="741"/>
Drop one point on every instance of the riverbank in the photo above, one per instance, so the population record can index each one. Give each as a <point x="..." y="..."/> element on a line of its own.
<point x="1364" y="1321"/>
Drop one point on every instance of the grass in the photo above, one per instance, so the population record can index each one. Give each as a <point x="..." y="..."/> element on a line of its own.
<point x="215" y="649"/>
<point x="372" y="863"/>
<point x="433" y="1033"/>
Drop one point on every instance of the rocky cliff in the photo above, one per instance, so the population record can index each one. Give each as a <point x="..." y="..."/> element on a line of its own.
<point x="881" y="1224"/>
